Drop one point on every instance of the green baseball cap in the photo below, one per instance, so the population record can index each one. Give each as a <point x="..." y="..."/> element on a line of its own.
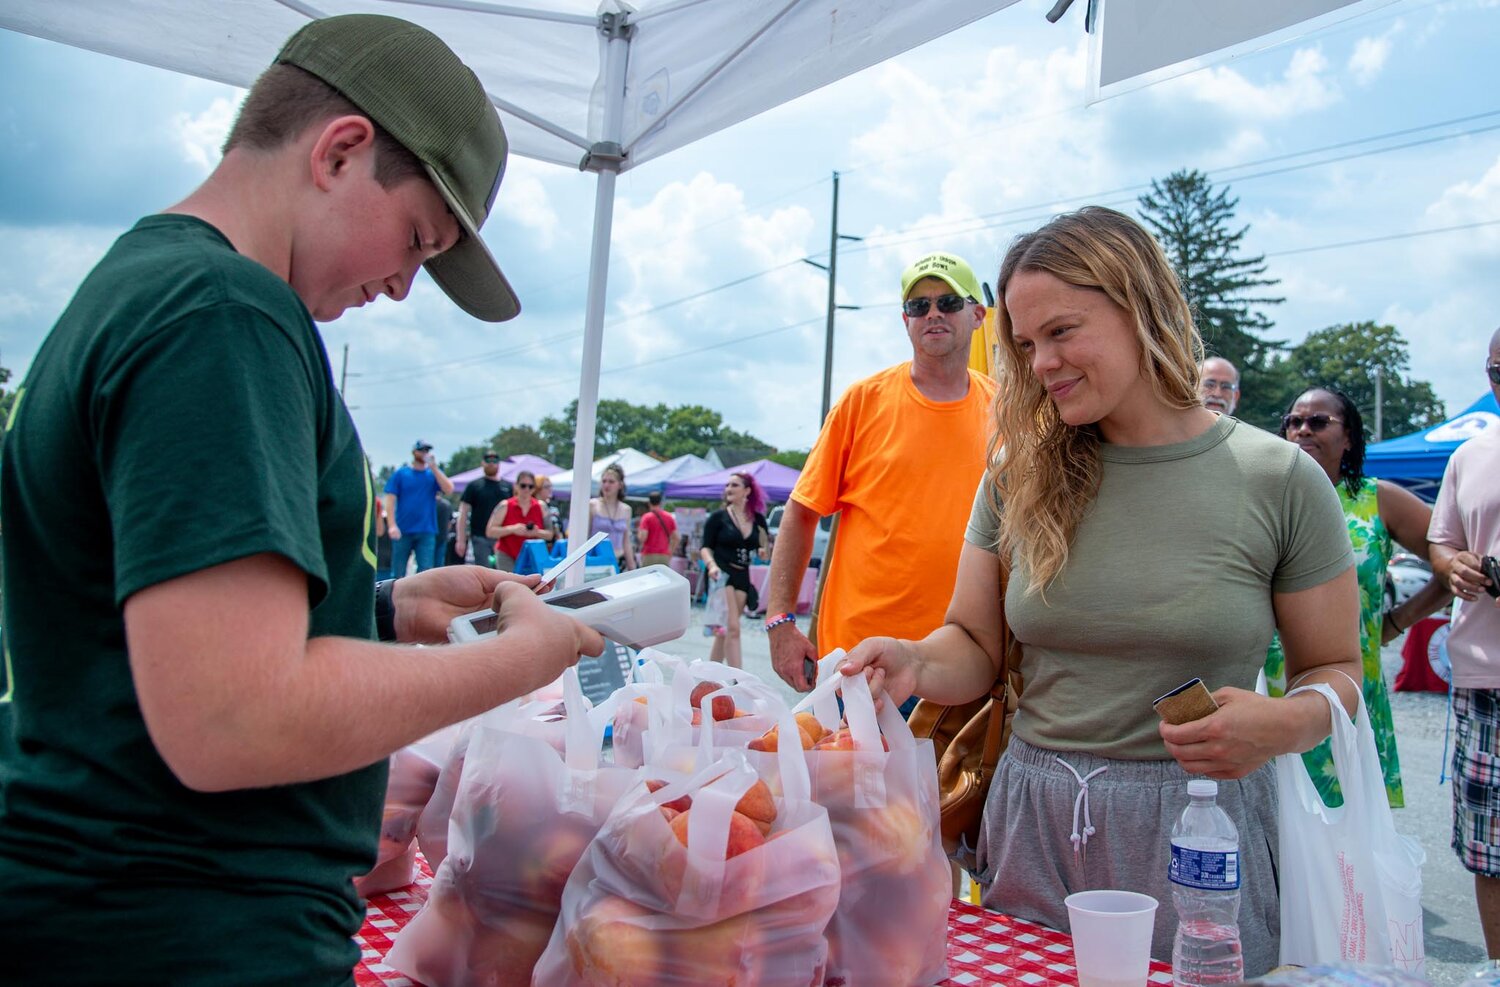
<point x="407" y="80"/>
<point x="944" y="267"/>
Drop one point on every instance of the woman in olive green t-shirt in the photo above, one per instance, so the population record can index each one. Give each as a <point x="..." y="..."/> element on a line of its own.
<point x="1147" y="540"/>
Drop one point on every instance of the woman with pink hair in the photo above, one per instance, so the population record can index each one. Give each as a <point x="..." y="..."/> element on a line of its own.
<point x="729" y="536"/>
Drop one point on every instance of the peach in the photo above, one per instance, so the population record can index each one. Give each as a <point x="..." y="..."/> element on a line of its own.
<point x="743" y="833"/>
<point x="722" y="953"/>
<point x="842" y="740"/>
<point x="769" y="742"/>
<point x="544" y="872"/>
<point x="757" y="805"/>
<point x="611" y="946"/>
<point x="721" y="708"/>
<point x="681" y="804"/>
<point x="896" y="835"/>
<point x="811" y="726"/>
<point x="504" y="955"/>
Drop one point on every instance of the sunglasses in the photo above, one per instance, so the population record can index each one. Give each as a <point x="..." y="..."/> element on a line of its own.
<point x="1493" y="369"/>
<point x="525" y="486"/>
<point x="492" y="459"/>
<point x="1314" y="423"/>
<point x="947" y="304"/>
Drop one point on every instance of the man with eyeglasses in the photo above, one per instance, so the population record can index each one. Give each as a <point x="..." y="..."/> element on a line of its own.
<point x="477" y="503"/>
<point x="896" y="553"/>
<point x="1219" y="385"/>
<point x="1465" y="535"/>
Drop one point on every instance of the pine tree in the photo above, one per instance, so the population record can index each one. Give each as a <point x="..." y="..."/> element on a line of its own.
<point x="1194" y="225"/>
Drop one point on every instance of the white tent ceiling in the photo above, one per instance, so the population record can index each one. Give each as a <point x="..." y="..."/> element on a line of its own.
<point x="694" y="67"/>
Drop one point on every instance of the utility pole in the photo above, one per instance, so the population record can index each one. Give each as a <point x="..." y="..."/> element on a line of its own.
<point x="834" y="236"/>
<point x="344" y="371"/>
<point x="1379" y="404"/>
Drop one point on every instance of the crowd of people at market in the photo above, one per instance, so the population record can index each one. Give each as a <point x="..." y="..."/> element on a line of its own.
<point x="199" y="704"/>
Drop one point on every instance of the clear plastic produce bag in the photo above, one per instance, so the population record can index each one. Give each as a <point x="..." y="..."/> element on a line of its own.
<point x="681" y="888"/>
<point x="522" y="816"/>
<point x="892" y="918"/>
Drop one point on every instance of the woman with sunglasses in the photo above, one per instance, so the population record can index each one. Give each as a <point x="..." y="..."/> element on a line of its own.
<point x="1147" y="541"/>
<point x="1326" y="425"/>
<point x="730" y="536"/>
<point x="515" y="520"/>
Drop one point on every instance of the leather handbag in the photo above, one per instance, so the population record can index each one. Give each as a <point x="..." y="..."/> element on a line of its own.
<point x="968" y="740"/>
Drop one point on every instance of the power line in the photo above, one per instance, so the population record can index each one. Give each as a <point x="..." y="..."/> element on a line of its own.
<point x="1384" y="239"/>
<point x="610" y="370"/>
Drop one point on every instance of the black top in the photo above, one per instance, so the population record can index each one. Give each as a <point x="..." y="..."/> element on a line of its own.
<point x="730" y="548"/>
<point x="483" y="496"/>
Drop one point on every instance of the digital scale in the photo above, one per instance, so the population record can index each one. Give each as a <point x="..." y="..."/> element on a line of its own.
<point x="638" y="608"/>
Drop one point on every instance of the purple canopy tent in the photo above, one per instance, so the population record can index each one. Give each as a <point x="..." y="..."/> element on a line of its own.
<point x="777" y="481"/>
<point x="508" y="470"/>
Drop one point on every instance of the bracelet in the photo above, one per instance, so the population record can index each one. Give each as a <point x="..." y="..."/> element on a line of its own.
<point x="779" y="619"/>
<point x="385" y="610"/>
<point x="1390" y="617"/>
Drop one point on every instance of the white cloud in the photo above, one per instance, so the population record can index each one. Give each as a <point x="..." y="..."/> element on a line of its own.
<point x="1302" y="88"/>
<point x="201" y="135"/>
<point x="49" y="262"/>
<point x="1369" y="58"/>
<point x="524" y="199"/>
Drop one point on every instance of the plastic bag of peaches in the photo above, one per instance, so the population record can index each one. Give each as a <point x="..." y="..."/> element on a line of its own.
<point x="522" y="816"/>
<point x="546" y="720"/>
<point x="682" y="887"/>
<point x="879" y="785"/>
<point x="413" y="775"/>
<point x="667" y="693"/>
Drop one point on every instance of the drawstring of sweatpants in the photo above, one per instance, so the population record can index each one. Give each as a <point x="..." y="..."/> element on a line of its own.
<point x="1080" y="838"/>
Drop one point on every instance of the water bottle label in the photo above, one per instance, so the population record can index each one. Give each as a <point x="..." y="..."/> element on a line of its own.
<point x="1211" y="870"/>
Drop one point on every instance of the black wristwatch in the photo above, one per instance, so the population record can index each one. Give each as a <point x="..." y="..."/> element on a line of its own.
<point x="385" y="610"/>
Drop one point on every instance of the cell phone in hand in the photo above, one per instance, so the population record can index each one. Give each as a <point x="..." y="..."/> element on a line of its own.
<point x="1491" y="567"/>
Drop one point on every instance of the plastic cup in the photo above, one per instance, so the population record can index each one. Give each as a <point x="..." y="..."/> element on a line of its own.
<point x="1111" y="937"/>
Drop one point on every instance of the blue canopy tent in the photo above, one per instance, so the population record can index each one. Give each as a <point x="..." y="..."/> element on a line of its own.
<point x="1417" y="461"/>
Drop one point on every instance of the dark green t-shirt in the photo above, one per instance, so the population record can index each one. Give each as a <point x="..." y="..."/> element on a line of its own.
<point x="180" y="415"/>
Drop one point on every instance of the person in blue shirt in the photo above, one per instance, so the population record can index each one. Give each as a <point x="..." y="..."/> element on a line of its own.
<point x="409" y="502"/>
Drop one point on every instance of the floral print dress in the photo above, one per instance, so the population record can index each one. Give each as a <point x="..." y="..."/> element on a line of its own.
<point x="1372" y="550"/>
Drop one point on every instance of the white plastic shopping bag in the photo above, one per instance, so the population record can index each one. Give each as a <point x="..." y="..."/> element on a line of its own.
<point x="1351" y="886"/>
<point x="522" y="815"/>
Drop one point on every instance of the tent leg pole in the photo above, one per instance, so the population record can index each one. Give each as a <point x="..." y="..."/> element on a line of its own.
<point x="588" y="378"/>
<point x="617" y="51"/>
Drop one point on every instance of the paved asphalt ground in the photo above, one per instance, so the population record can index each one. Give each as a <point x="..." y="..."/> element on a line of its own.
<point x="1451" y="922"/>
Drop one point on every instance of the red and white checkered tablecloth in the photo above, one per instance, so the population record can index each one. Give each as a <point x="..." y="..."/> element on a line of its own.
<point x="983" y="947"/>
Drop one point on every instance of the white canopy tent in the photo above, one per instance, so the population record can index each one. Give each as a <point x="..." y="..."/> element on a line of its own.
<point x="603" y="86"/>
<point x="630" y="460"/>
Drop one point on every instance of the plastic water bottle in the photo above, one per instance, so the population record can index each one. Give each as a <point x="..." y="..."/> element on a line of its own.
<point x="1205" y="876"/>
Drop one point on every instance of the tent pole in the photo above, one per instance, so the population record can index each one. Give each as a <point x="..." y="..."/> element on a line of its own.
<point x="606" y="158"/>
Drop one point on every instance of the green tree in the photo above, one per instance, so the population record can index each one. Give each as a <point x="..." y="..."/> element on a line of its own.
<point x="1195" y="226"/>
<point x="1347" y="357"/>
<point x="656" y="429"/>
<point x="795" y="458"/>
<point x="512" y="440"/>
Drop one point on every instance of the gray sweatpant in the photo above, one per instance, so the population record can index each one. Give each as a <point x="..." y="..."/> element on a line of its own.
<point x="1028" y="862"/>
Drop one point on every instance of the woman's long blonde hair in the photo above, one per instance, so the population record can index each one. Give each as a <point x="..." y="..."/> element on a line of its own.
<point x="1043" y="471"/>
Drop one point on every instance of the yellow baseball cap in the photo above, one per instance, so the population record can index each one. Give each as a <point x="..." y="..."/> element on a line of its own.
<point x="945" y="267"/>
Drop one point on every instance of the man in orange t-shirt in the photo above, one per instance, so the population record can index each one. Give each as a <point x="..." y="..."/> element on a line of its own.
<point x="898" y="460"/>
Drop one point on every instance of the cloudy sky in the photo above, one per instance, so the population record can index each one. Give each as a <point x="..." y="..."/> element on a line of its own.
<point x="1366" y="158"/>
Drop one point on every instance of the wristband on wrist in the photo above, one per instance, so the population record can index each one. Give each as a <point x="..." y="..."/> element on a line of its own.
<point x="1390" y="616"/>
<point x="776" y="620"/>
<point x="385" y="610"/>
